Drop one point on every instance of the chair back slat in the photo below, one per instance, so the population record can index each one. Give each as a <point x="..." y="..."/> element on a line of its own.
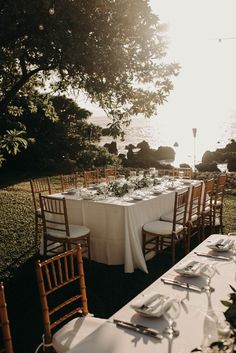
<point x="220" y="188"/>
<point x="109" y="172"/>
<point x="165" y="172"/>
<point x="91" y="177"/>
<point x="69" y="181"/>
<point x="180" y="208"/>
<point x="208" y="193"/>
<point x="4" y="324"/>
<point x="68" y="267"/>
<point x="39" y="186"/>
<point x="54" y="214"/>
<point x="195" y="202"/>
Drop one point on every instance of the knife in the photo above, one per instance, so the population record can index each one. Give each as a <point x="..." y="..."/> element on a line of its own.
<point x="212" y="256"/>
<point x="181" y="284"/>
<point x="139" y="328"/>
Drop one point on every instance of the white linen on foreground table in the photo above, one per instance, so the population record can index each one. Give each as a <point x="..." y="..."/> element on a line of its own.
<point x="110" y="339"/>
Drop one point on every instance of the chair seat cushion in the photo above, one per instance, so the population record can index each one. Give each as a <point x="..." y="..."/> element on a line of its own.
<point x="161" y="227"/>
<point x="76" y="231"/>
<point x="74" y="331"/>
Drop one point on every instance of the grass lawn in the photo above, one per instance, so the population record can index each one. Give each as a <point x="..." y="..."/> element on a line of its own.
<point x="108" y="287"/>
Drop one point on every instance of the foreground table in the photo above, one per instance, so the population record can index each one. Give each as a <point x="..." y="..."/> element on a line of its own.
<point x="194" y="322"/>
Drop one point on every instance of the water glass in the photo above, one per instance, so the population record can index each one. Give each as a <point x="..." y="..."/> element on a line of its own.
<point x="181" y="174"/>
<point x="152" y="171"/>
<point x="208" y="271"/>
<point x="141" y="173"/>
<point x="171" y="315"/>
<point x="132" y="174"/>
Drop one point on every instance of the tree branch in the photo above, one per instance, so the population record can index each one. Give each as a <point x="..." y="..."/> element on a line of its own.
<point x="18" y="85"/>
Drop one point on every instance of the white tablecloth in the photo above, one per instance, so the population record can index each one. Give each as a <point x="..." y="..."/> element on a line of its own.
<point x="116" y="226"/>
<point x="193" y="323"/>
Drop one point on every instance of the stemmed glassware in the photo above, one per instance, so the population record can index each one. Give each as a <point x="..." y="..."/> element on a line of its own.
<point x="131" y="187"/>
<point x="208" y="271"/>
<point x="171" y="315"/>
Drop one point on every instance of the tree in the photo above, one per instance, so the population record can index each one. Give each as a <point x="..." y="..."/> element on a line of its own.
<point x="66" y="144"/>
<point x="111" y="50"/>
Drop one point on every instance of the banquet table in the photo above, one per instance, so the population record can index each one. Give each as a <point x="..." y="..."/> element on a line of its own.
<point x="197" y="320"/>
<point x="116" y="225"/>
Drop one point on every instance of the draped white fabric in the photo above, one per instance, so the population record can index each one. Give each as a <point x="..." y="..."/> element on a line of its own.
<point x="116" y="226"/>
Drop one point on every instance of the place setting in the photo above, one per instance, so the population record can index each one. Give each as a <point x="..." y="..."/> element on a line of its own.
<point x="193" y="275"/>
<point x="156" y="306"/>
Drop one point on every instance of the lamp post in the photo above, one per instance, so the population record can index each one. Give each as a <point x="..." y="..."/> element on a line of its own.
<point x="194" y="148"/>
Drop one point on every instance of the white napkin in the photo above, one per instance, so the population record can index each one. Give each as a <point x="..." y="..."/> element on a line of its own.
<point x="221" y="244"/>
<point x="152" y="304"/>
<point x="192" y="267"/>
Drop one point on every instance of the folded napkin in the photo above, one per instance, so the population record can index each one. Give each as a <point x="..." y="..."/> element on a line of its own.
<point x="152" y="304"/>
<point x="221" y="244"/>
<point x="190" y="268"/>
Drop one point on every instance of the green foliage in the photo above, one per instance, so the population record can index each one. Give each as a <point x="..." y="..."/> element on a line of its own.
<point x="110" y="50"/>
<point x="230" y="313"/>
<point x="13" y="141"/>
<point x="63" y="144"/>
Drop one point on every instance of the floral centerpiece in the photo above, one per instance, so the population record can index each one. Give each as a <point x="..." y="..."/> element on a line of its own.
<point x="118" y="187"/>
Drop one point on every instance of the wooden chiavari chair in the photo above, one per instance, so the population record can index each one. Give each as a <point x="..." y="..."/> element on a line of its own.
<point x="184" y="173"/>
<point x="165" y="172"/>
<point x="57" y="229"/>
<point x="69" y="181"/>
<point x="63" y="296"/>
<point x="39" y="186"/>
<point x="206" y="209"/>
<point x="161" y="234"/>
<point x="91" y="177"/>
<point x="109" y="172"/>
<point x="194" y="213"/>
<point x="6" y="340"/>
<point x="217" y="203"/>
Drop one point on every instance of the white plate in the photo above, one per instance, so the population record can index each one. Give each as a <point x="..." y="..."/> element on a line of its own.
<point x="136" y="197"/>
<point x="152" y="305"/>
<point x="190" y="269"/>
<point x="69" y="192"/>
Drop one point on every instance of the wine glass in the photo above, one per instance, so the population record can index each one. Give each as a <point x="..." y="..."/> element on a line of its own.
<point x="181" y="174"/>
<point x="171" y="314"/>
<point x="131" y="187"/>
<point x="208" y="271"/>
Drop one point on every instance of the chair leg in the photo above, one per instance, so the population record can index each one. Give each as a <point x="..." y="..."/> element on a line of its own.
<point x="44" y="245"/>
<point x="221" y="220"/>
<point x="173" y="250"/>
<point x="36" y="230"/>
<point x="88" y="246"/>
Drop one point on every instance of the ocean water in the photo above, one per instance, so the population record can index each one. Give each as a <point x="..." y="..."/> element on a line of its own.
<point x="163" y="132"/>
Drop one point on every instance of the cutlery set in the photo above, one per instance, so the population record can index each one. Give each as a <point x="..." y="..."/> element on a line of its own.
<point x="139" y="328"/>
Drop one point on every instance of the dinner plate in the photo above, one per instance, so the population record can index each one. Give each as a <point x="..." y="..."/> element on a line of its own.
<point x="136" y="197"/>
<point x="152" y="304"/>
<point x="69" y="192"/>
<point x="189" y="269"/>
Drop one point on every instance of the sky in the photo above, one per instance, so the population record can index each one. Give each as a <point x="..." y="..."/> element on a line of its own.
<point x="204" y="94"/>
<point x="204" y="91"/>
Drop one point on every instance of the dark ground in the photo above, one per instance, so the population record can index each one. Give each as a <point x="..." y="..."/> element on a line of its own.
<point x="108" y="289"/>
